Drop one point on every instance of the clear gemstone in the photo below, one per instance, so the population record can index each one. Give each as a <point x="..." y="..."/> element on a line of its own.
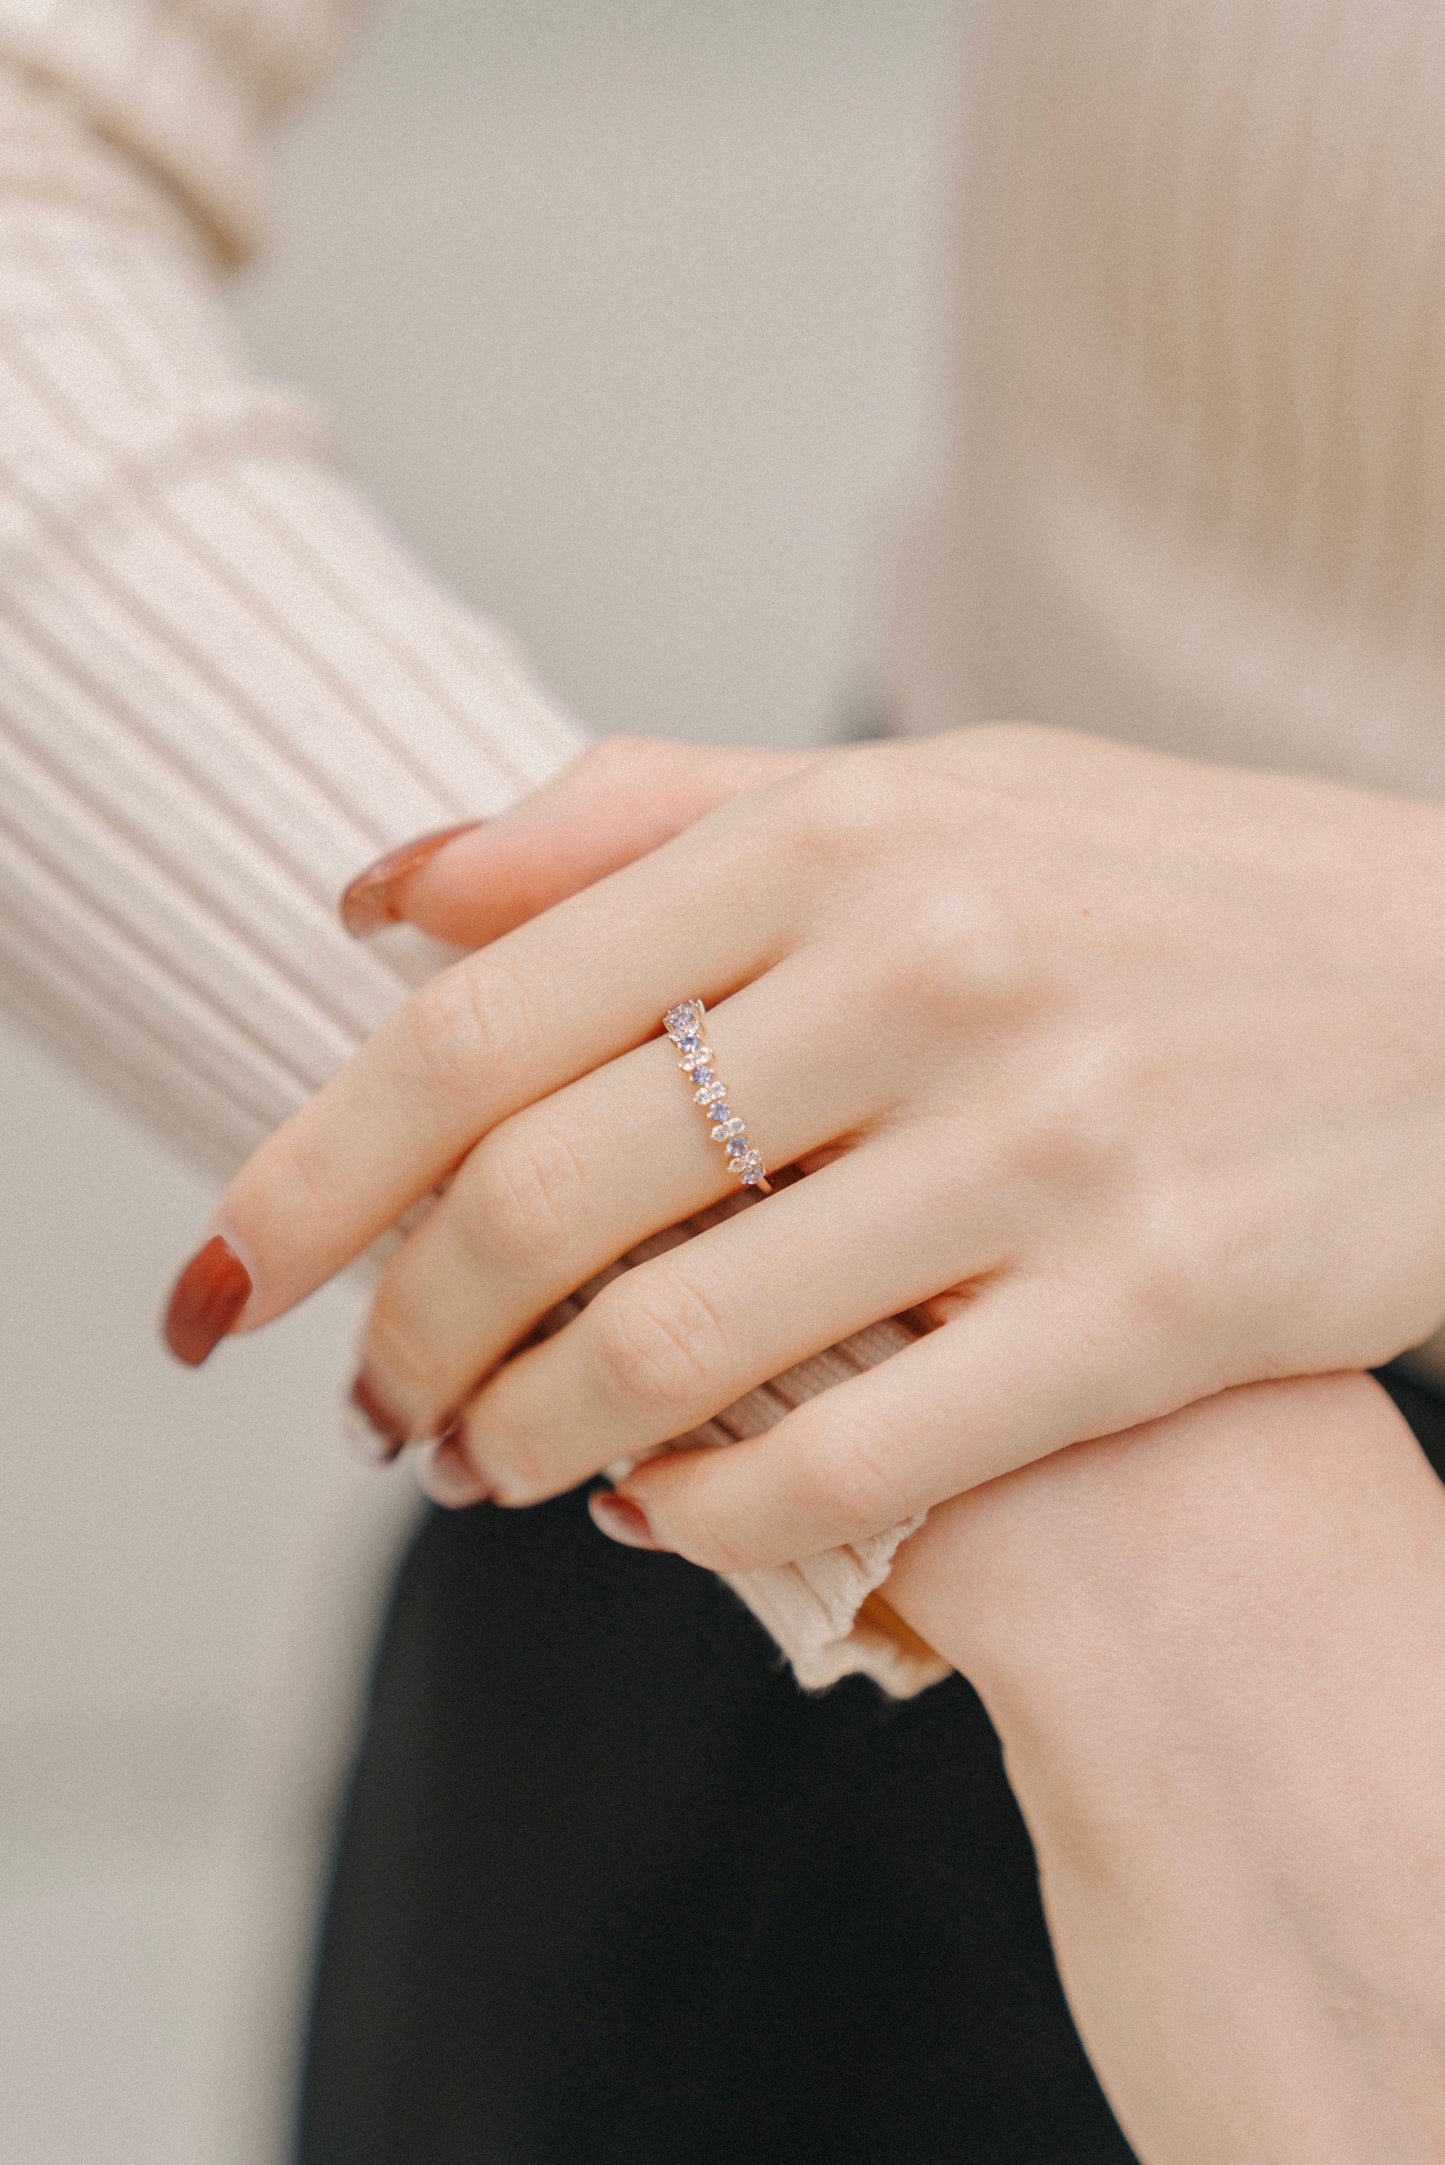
<point x="710" y="1092"/>
<point x="727" y="1128"/>
<point x="696" y="1056"/>
<point x="749" y="1167"/>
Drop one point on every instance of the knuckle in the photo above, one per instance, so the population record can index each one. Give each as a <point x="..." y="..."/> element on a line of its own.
<point x="1047" y="1157"/>
<point x="705" y="1535"/>
<point x="1077" y="1130"/>
<point x="958" y="952"/>
<point x="854" y="806"/>
<point x="523" y="1193"/>
<point x="1166" y="1275"/>
<point x="953" y="959"/>
<point x="656" y="1342"/>
<point x="461" y="1026"/>
<point x="839" y="1478"/>
<point x="851" y="1479"/>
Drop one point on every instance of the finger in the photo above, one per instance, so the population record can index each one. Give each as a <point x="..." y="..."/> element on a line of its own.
<point x="567" y="1186"/>
<point x="1028" y="1369"/>
<point x="621" y="799"/>
<point x="672" y="1342"/>
<point x="506" y="1026"/>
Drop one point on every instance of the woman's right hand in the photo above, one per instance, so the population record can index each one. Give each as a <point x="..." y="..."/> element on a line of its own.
<point x="1135" y="1066"/>
<point x="1215" y="1652"/>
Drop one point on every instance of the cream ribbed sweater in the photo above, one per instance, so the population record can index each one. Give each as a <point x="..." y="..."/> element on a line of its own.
<point x="1195" y="490"/>
<point x="223" y="687"/>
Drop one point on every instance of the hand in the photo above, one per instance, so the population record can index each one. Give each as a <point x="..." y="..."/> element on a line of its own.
<point x="1215" y="1653"/>
<point x="1130" y="1067"/>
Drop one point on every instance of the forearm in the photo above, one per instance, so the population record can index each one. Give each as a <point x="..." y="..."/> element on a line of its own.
<point x="1215" y="1652"/>
<point x="223" y="687"/>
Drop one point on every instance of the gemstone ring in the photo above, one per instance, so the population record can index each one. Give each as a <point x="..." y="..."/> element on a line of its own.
<point x="683" y="1025"/>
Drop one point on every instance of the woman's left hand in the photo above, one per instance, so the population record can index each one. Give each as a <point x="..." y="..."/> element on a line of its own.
<point x="1134" y="1069"/>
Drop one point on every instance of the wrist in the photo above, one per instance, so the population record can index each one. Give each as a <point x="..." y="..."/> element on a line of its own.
<point x="1215" y="1654"/>
<point x="1190" y="1564"/>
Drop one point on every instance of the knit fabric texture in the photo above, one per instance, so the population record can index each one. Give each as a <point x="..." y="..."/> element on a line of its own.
<point x="224" y="686"/>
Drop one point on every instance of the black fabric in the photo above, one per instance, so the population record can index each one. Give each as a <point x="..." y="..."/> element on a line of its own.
<point x="610" y="1888"/>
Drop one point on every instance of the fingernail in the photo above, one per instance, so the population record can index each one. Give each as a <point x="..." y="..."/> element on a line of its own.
<point x="206" y="1300"/>
<point x="374" y="897"/>
<point x="446" y="1478"/>
<point x="380" y="1433"/>
<point x="621" y="1519"/>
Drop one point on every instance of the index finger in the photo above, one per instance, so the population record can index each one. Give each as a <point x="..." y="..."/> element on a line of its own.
<point x="549" y="1002"/>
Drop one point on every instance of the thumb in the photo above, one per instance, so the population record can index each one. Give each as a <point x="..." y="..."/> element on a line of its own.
<point x="618" y="800"/>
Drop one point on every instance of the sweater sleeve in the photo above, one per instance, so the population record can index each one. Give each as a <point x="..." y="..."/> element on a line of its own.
<point x="223" y="688"/>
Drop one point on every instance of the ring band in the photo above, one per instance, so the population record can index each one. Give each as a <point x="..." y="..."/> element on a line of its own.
<point x="683" y="1025"/>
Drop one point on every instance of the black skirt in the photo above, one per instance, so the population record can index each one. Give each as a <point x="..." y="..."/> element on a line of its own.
<point x="610" y="1888"/>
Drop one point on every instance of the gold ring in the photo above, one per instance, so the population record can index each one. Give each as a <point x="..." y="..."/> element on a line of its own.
<point x="683" y="1025"/>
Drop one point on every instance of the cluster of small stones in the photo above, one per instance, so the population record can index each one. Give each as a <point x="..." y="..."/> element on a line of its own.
<point x="683" y="1025"/>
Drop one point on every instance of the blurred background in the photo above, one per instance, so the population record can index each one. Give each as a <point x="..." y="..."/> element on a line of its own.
<point x="626" y="311"/>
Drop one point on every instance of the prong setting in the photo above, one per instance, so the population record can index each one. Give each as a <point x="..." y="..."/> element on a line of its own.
<point x="684" y="1025"/>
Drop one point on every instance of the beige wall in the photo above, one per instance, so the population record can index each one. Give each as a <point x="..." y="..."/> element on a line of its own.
<point x="625" y="311"/>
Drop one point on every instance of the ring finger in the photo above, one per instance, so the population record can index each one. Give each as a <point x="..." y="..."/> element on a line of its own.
<point x="569" y="1184"/>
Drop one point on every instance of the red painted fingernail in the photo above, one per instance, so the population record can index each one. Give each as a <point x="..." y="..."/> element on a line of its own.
<point x="207" y="1298"/>
<point x="374" y="897"/>
<point x="621" y="1519"/>
<point x="388" y="1431"/>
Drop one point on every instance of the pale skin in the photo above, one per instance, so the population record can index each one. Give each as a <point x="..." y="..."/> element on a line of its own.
<point x="1214" y="1650"/>
<point x="1127" y="1064"/>
<point x="1128" y="1068"/>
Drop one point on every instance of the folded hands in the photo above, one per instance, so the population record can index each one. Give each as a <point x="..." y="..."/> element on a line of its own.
<point x="1119" y="1069"/>
<point x="1124" y="1074"/>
